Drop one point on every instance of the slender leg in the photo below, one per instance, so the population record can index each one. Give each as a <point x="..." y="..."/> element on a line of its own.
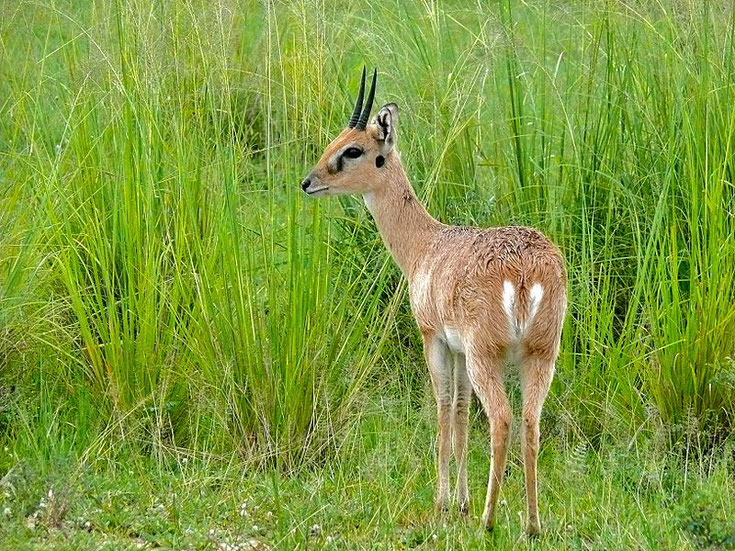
<point x="440" y="369"/>
<point x="536" y="375"/>
<point x="486" y="376"/>
<point x="461" y="411"/>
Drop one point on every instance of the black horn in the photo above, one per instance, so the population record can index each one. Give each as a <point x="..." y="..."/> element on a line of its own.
<point x="358" y="104"/>
<point x="362" y="123"/>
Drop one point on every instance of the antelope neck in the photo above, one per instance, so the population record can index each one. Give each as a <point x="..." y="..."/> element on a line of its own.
<point x="404" y="224"/>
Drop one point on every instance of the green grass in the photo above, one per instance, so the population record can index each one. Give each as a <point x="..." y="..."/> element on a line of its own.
<point x="166" y="292"/>
<point x="376" y="492"/>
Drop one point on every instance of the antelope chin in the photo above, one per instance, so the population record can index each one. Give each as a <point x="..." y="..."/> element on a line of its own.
<point x="318" y="191"/>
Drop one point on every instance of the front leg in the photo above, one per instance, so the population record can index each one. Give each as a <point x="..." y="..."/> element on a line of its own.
<point x="440" y="368"/>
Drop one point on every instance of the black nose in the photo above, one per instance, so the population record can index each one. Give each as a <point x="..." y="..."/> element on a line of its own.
<point x="306" y="183"/>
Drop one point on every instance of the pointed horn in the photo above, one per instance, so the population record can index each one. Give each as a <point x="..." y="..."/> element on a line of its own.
<point x="362" y="123"/>
<point x="358" y="104"/>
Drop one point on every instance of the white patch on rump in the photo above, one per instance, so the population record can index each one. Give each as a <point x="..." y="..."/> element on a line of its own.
<point x="509" y="300"/>
<point x="535" y="296"/>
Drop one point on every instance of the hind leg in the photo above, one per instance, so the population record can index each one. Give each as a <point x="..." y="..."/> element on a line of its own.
<point x="460" y="420"/>
<point x="486" y="376"/>
<point x="536" y="375"/>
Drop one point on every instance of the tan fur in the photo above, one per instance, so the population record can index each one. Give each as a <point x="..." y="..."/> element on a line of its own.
<point x="460" y="281"/>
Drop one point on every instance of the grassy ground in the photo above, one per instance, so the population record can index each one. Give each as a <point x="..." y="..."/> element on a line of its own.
<point x="375" y="492"/>
<point x="181" y="331"/>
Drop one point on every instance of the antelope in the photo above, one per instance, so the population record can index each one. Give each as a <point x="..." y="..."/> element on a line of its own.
<point x="482" y="297"/>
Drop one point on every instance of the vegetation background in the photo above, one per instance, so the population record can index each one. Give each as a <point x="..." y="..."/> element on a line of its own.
<point x="194" y="355"/>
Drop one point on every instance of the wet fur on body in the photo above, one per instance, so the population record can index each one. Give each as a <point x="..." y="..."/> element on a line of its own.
<point x="481" y="297"/>
<point x="459" y="282"/>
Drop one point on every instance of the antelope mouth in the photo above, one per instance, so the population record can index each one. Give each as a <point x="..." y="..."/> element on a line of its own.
<point x="317" y="190"/>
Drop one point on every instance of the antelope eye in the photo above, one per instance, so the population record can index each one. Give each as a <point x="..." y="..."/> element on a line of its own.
<point x="352" y="152"/>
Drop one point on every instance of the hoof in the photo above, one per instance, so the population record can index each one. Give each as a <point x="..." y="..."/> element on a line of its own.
<point x="441" y="507"/>
<point x="464" y="508"/>
<point x="533" y="530"/>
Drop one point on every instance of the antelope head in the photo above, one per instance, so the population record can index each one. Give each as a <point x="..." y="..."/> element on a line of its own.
<point x="353" y="163"/>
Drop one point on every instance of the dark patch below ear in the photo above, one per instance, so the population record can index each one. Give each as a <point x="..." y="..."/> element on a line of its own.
<point x="379" y="161"/>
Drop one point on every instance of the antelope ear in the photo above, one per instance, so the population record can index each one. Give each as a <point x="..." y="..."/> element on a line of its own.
<point x="384" y="127"/>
